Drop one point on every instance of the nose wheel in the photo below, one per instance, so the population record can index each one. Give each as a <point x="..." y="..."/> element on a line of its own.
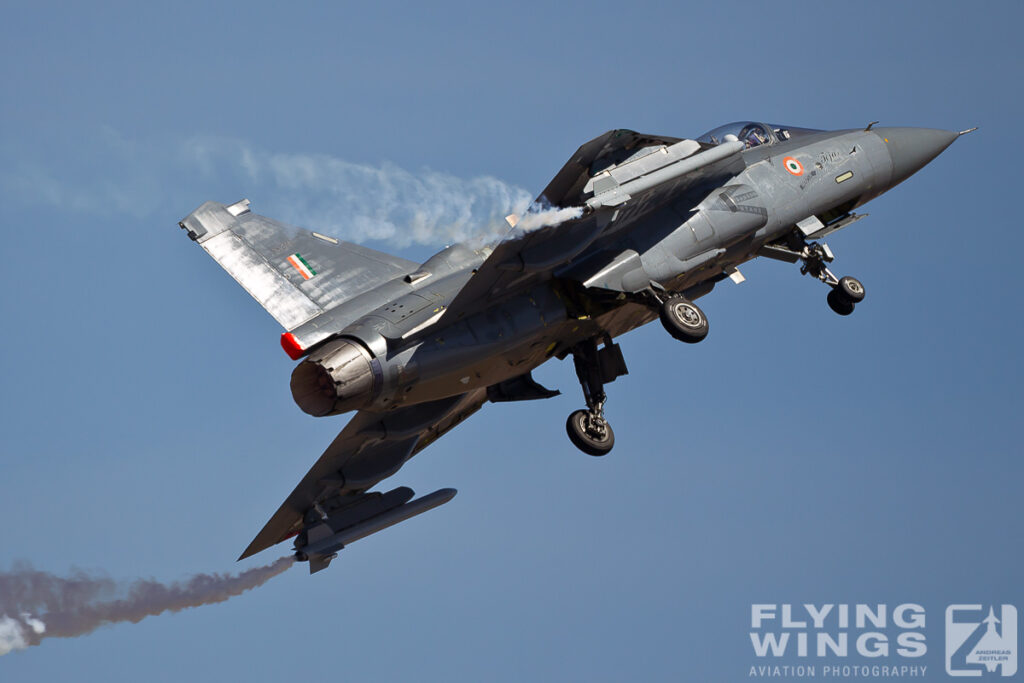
<point x="845" y="294"/>
<point x="588" y="429"/>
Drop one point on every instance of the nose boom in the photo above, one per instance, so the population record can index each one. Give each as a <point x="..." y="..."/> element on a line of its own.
<point x="910" y="149"/>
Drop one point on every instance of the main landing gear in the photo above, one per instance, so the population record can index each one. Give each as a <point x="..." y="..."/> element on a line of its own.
<point x="588" y="429"/>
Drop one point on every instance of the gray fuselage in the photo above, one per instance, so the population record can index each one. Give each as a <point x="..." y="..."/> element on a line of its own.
<point x="406" y="350"/>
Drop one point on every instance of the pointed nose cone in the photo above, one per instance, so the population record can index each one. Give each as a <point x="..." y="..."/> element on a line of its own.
<point x="912" y="148"/>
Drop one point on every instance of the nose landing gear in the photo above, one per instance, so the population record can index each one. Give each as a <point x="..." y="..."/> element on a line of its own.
<point x="588" y="429"/>
<point x="844" y="293"/>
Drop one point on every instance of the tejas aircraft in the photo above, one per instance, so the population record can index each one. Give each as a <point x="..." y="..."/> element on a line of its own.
<point x="654" y="223"/>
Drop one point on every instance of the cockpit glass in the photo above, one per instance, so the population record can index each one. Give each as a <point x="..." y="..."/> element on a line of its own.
<point x="752" y="133"/>
<point x="783" y="133"/>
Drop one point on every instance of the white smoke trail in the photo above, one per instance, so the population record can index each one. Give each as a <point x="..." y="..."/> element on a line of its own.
<point x="16" y="633"/>
<point x="361" y="202"/>
<point x="151" y="180"/>
<point x="35" y="605"/>
<point x="537" y="218"/>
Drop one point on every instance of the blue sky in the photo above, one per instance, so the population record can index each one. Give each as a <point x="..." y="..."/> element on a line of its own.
<point x="793" y="457"/>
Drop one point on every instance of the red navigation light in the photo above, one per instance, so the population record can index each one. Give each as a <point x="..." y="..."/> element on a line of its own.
<point x="291" y="346"/>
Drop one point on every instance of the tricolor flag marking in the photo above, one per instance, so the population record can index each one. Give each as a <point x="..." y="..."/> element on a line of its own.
<point x="300" y="264"/>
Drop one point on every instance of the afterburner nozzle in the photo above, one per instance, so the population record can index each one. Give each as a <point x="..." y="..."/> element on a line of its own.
<point x="335" y="379"/>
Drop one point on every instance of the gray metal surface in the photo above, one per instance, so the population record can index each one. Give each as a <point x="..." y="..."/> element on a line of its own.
<point x="417" y="348"/>
<point x="621" y="187"/>
<point x="322" y="546"/>
<point x="371" y="447"/>
<point x="260" y="254"/>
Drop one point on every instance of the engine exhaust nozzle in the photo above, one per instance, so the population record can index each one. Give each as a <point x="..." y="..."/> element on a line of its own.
<point x="339" y="377"/>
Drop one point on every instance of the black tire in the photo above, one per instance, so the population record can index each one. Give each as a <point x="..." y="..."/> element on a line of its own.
<point x="851" y="289"/>
<point x="590" y="438"/>
<point x="684" y="320"/>
<point x="839" y="303"/>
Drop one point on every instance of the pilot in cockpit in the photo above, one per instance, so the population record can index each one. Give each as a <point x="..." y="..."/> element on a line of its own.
<point x="753" y="135"/>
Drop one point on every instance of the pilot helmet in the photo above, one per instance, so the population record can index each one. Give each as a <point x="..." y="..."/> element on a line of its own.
<point x="753" y="135"/>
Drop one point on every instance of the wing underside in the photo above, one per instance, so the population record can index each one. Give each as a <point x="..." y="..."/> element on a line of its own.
<point x="371" y="447"/>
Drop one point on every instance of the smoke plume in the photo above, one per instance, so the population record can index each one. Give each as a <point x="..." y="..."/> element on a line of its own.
<point x="540" y="217"/>
<point x="360" y="201"/>
<point x="35" y="605"/>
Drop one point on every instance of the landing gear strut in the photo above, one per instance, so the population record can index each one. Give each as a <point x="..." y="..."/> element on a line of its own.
<point x="588" y="429"/>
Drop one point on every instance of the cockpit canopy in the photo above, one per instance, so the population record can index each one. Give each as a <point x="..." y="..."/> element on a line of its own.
<point x="753" y="134"/>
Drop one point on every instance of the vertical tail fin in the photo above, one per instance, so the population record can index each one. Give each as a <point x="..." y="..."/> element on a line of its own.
<point x="295" y="274"/>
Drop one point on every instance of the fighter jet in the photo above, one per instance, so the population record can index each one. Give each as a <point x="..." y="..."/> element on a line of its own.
<point x="633" y="228"/>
